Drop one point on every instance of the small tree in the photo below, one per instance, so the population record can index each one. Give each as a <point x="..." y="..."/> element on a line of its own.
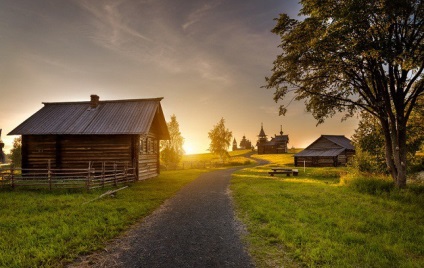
<point x="220" y="140"/>
<point x="172" y="149"/>
<point x="369" y="145"/>
<point x="16" y="152"/>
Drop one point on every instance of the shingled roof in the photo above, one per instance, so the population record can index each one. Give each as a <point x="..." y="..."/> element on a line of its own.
<point x="110" y="117"/>
<point x="340" y="142"/>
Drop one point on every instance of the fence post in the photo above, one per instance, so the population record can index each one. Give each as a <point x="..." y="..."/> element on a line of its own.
<point x="103" y="174"/>
<point x="89" y="174"/>
<point x="114" y="174"/>
<point x="49" y="178"/>
<point x="134" y="170"/>
<point x="125" y="172"/>
<point x="12" y="177"/>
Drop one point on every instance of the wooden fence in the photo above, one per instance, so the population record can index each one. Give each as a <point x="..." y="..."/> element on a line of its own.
<point x="89" y="178"/>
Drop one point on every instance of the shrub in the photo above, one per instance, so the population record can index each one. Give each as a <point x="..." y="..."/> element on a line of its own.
<point x="372" y="185"/>
<point x="366" y="162"/>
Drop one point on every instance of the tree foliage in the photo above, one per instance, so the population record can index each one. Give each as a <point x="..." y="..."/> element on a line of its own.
<point x="347" y="56"/>
<point x="16" y="152"/>
<point x="369" y="141"/>
<point x="220" y="140"/>
<point x="172" y="149"/>
<point x="369" y="145"/>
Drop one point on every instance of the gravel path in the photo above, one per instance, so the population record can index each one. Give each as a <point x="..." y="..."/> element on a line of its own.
<point x="195" y="228"/>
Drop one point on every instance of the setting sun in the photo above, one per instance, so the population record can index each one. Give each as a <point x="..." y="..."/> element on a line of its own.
<point x="188" y="148"/>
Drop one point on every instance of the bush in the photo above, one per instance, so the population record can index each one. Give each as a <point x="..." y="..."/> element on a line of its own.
<point x="366" y="162"/>
<point x="372" y="185"/>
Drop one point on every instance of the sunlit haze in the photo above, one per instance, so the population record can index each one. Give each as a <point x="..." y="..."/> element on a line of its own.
<point x="208" y="59"/>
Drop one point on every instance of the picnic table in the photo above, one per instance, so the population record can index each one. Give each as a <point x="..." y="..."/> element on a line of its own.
<point x="287" y="171"/>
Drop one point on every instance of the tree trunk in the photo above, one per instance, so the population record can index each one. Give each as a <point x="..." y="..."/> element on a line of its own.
<point x="395" y="143"/>
<point x="400" y="154"/>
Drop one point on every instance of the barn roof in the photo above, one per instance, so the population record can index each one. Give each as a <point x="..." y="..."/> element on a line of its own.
<point x="340" y="140"/>
<point x="110" y="117"/>
<point x="342" y="143"/>
<point x="321" y="152"/>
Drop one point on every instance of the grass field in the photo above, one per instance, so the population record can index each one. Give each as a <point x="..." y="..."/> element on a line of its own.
<point x="48" y="229"/>
<point x="318" y="220"/>
<point x="236" y="158"/>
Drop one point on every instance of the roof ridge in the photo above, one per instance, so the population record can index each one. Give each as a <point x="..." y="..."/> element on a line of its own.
<point x="106" y="101"/>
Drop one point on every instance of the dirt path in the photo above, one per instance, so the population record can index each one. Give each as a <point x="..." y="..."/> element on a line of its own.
<point x="195" y="228"/>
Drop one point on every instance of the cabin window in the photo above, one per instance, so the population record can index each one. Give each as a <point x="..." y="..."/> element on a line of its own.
<point x="155" y="144"/>
<point x="143" y="146"/>
<point x="150" y="146"/>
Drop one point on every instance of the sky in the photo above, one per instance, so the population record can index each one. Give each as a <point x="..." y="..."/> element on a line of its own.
<point x="207" y="59"/>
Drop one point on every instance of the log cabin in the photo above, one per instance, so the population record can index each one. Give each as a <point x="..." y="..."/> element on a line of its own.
<point x="69" y="135"/>
<point x="326" y="151"/>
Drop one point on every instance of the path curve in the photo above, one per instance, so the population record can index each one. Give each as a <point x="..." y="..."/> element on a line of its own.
<point x="195" y="228"/>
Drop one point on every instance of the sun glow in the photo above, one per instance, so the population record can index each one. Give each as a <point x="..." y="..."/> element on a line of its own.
<point x="188" y="148"/>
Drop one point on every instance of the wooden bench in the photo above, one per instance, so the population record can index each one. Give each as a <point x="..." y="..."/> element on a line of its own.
<point x="286" y="171"/>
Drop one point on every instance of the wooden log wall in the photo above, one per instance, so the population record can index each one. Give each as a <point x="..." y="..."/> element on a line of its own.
<point x="37" y="150"/>
<point x="76" y="151"/>
<point x="148" y="159"/>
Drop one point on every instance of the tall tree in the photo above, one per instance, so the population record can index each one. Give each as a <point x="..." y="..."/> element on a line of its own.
<point x="350" y="55"/>
<point x="220" y="140"/>
<point x="172" y="149"/>
<point x="16" y="152"/>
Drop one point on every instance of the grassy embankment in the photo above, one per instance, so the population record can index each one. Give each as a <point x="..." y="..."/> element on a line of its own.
<point x="49" y="229"/>
<point x="327" y="218"/>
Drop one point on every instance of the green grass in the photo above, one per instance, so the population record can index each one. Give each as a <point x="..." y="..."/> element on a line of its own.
<point x="237" y="158"/>
<point x="49" y="229"/>
<point x="317" y="220"/>
<point x="212" y="157"/>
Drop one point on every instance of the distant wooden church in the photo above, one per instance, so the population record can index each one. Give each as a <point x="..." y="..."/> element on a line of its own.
<point x="69" y="135"/>
<point x="244" y="144"/>
<point x="277" y="144"/>
<point x="326" y="151"/>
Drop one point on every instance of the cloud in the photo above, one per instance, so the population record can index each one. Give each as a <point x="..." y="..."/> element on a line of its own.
<point x="113" y="30"/>
<point x="198" y="14"/>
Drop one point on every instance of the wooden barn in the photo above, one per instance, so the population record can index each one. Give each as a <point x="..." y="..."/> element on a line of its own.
<point x="326" y="151"/>
<point x="70" y="135"/>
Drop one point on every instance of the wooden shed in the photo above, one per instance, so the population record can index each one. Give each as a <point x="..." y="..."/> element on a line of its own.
<point x="326" y="151"/>
<point x="69" y="135"/>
